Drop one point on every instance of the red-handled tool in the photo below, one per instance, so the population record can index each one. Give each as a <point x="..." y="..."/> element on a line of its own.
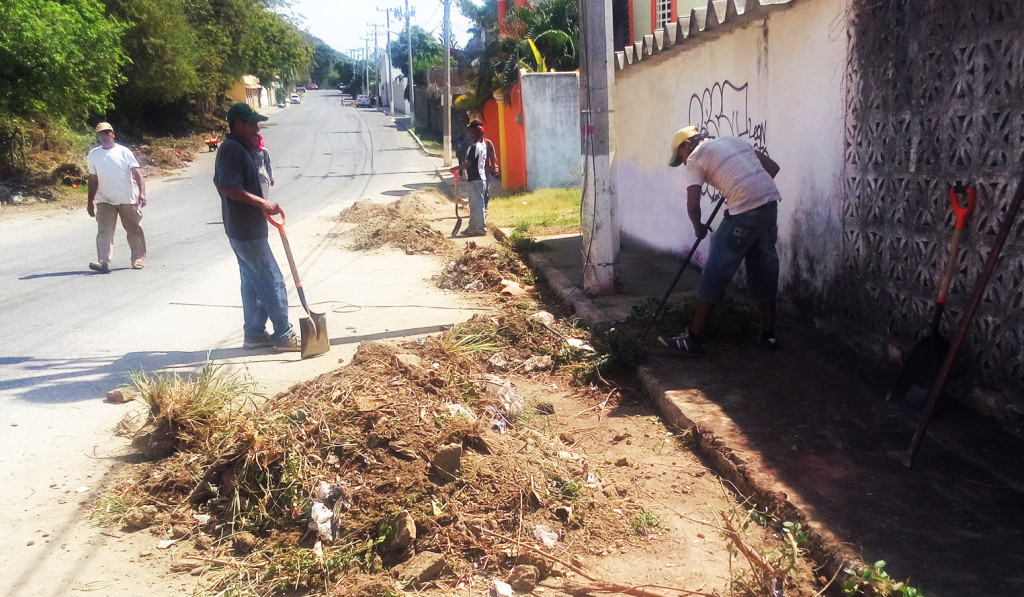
<point x="921" y="368"/>
<point x="313" y="329"/>
<point x="458" y="218"/>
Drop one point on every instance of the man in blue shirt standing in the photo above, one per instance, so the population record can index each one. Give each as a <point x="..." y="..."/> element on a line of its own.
<point x="243" y="206"/>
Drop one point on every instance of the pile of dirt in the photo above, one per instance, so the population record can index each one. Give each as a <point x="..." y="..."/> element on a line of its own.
<point x="481" y="269"/>
<point x="418" y="448"/>
<point x="473" y="459"/>
<point x="399" y="224"/>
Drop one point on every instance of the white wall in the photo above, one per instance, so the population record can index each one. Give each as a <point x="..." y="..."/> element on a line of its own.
<point x="551" y="113"/>
<point x="778" y="83"/>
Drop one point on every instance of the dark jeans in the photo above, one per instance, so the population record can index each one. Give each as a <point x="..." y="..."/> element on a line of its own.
<point x="264" y="295"/>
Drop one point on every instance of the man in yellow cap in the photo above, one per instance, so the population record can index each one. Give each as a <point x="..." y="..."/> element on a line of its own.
<point x="116" y="189"/>
<point x="747" y="234"/>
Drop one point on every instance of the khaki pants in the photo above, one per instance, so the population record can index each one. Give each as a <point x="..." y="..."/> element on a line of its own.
<point x="131" y="219"/>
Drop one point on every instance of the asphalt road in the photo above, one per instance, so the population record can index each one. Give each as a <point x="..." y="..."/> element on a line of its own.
<point x="69" y="335"/>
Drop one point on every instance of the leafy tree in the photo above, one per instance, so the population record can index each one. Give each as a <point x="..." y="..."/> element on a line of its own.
<point x="540" y="38"/>
<point x="426" y="52"/>
<point x="163" y="50"/>
<point x="324" y="57"/>
<point x="59" y="59"/>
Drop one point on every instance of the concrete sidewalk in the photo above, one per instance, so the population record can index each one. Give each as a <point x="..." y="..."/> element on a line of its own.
<point x="805" y="431"/>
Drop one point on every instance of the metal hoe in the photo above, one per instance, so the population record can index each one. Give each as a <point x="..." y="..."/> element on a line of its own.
<point x="679" y="274"/>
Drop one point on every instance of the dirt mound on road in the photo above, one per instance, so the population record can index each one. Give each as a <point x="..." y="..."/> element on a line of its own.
<point x="399" y="224"/>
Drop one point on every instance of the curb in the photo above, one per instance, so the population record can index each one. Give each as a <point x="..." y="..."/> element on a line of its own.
<point x="565" y="288"/>
<point x="823" y="547"/>
<point x="420" y="143"/>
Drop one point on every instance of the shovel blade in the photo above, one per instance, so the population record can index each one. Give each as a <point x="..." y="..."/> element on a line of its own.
<point x="913" y="384"/>
<point x="458" y="226"/>
<point x="313" y="335"/>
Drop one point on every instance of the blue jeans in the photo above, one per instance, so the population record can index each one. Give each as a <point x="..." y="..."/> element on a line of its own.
<point x="264" y="295"/>
<point x="745" y="238"/>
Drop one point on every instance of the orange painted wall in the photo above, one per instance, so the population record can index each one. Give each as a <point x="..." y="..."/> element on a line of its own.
<point x="515" y="143"/>
<point x="513" y="163"/>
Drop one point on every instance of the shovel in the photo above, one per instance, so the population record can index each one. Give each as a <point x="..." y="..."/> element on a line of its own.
<point x="313" y="329"/>
<point x="922" y="365"/>
<point x="458" y="218"/>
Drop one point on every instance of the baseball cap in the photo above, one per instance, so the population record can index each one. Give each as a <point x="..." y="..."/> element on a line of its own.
<point x="242" y="111"/>
<point x="678" y="139"/>
<point x="476" y="124"/>
<point x="104" y="126"/>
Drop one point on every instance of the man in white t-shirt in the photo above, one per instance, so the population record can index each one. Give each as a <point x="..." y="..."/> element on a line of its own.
<point x="747" y="234"/>
<point x="116" y="189"/>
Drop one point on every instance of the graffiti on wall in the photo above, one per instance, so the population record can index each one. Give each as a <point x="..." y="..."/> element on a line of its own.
<point x="722" y="111"/>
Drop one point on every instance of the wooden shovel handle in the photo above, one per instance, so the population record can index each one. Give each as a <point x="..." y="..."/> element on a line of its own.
<point x="961" y="212"/>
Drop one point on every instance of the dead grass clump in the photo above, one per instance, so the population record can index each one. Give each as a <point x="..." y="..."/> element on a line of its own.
<point x="318" y="479"/>
<point x="399" y="224"/>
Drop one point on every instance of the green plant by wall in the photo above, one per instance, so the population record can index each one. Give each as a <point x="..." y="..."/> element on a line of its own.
<point x="874" y="581"/>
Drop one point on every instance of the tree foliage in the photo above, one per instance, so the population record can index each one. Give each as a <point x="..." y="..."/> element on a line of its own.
<point x="426" y="52"/>
<point x="539" y="38"/>
<point x="60" y="59"/>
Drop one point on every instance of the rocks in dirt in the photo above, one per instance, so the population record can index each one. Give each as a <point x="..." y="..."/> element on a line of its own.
<point x="544" y="317"/>
<point x="405" y="534"/>
<point x="538" y="363"/>
<point x="203" y="542"/>
<point x="369" y="350"/>
<point x="499" y="361"/>
<point x="140" y="518"/>
<point x="536" y="561"/>
<point x="154" y="444"/>
<point x="447" y="464"/>
<point x="512" y="288"/>
<point x="501" y="589"/>
<point x="421" y="568"/>
<point x="121" y="395"/>
<point x="544" y="408"/>
<point x="410" y="363"/>
<point x="402" y="450"/>
<point x="523" y="578"/>
<point x="244" y="542"/>
<point x="622" y="461"/>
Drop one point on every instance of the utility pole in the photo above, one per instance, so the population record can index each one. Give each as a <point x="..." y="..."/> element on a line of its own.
<point x="412" y="87"/>
<point x="447" y="103"/>
<point x="366" y="65"/>
<point x="600" y="195"/>
<point x="376" y="58"/>
<point x="387" y="55"/>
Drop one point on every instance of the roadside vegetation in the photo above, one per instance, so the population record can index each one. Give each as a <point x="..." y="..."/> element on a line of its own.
<point x="537" y="213"/>
<point x="479" y="457"/>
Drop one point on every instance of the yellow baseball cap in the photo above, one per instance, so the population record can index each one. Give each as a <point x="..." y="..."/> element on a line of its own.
<point x="677" y="139"/>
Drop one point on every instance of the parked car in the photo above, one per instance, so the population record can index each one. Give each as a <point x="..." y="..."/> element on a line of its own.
<point x="296" y="99"/>
<point x="314" y="86"/>
<point x="362" y="101"/>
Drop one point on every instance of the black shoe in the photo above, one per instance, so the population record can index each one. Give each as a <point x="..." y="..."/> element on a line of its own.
<point x="683" y="343"/>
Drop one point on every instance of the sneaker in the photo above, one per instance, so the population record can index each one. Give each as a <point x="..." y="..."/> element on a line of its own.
<point x="137" y="264"/>
<point x="263" y="341"/>
<point x="683" y="343"/>
<point x="768" y="343"/>
<point x="102" y="267"/>
<point x="475" y="233"/>
<point x="289" y="344"/>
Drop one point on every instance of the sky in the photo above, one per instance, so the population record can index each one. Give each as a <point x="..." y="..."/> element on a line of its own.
<point x="342" y="24"/>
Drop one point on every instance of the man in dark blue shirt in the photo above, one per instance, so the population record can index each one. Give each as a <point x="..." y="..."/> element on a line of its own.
<point x="264" y="295"/>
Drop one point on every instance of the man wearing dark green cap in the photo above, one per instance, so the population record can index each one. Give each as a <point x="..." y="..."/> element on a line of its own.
<point x="264" y="295"/>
